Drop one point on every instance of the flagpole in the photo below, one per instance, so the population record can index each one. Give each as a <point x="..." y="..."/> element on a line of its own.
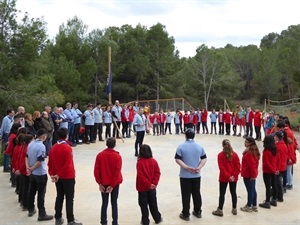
<point x="109" y="73"/>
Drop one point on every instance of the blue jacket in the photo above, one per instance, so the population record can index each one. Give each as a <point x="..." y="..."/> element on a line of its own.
<point x="89" y="118"/>
<point x="70" y="118"/>
<point x="213" y="117"/>
<point x="6" y="125"/>
<point x="77" y="115"/>
<point x="139" y="121"/>
<point x="107" y="117"/>
<point x="98" y="113"/>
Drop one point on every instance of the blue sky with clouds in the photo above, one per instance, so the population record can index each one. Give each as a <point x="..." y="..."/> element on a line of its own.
<point x="191" y="22"/>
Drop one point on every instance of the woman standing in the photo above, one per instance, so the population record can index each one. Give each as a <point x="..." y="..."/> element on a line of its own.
<point x="107" y="119"/>
<point x="29" y="124"/>
<point x="270" y="170"/>
<point x="139" y="122"/>
<point x="229" y="166"/>
<point x="249" y="172"/>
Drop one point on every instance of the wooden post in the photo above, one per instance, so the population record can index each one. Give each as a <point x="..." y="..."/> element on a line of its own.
<point x="109" y="73"/>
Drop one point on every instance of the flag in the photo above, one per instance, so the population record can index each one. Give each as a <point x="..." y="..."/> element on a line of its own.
<point x="109" y="81"/>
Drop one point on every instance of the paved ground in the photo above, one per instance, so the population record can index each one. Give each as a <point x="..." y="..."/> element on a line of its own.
<point x="88" y="200"/>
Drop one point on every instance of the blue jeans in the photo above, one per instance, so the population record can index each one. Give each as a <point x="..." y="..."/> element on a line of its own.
<point x="289" y="174"/>
<point x="177" y="125"/>
<point x="114" y="206"/>
<point x="252" y="195"/>
<point x="71" y="131"/>
<point x="6" y="158"/>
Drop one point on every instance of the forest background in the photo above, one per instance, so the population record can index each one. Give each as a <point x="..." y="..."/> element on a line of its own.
<point x="36" y="71"/>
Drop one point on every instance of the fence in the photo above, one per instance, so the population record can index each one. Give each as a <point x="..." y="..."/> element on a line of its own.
<point x="166" y="104"/>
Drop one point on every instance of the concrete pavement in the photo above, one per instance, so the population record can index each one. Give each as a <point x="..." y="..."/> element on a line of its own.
<point x="88" y="199"/>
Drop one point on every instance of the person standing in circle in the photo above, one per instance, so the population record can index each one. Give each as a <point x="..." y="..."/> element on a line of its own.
<point x="229" y="166"/>
<point x="191" y="157"/>
<point x="139" y="122"/>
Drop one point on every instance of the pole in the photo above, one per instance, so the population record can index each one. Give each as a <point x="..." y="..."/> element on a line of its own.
<point x="109" y="73"/>
<point x="120" y="133"/>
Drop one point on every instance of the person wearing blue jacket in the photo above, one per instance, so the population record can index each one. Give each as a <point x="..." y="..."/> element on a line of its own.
<point x="89" y="124"/>
<point x="139" y="122"/>
<point x="213" y="121"/>
<point x="77" y="122"/>
<point x="107" y="119"/>
<point x="70" y="119"/>
<point x="169" y="119"/>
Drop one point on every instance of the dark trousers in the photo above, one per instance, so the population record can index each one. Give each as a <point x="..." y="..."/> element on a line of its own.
<point x="76" y="132"/>
<point x="54" y="137"/>
<point x="71" y="131"/>
<point x="185" y="126"/>
<point x="24" y="189"/>
<point x="125" y="129"/>
<point x="65" y="188"/>
<point x="234" y="129"/>
<point x="198" y="127"/>
<point x="221" y="128"/>
<point x="155" y="128"/>
<point x="284" y="178"/>
<point x="97" y="130"/>
<point x="115" y="130"/>
<point x="6" y="158"/>
<point x="89" y="129"/>
<point x="213" y="127"/>
<point x="162" y="128"/>
<point x="18" y="183"/>
<point x="257" y="132"/>
<point x="270" y="182"/>
<point x="114" y="206"/>
<point x="168" y="126"/>
<point x="204" y="127"/>
<point x="37" y="184"/>
<point x="249" y="129"/>
<point x="190" y="186"/>
<point x="181" y="127"/>
<point x="139" y="140"/>
<point x="227" y="127"/>
<point x="48" y="144"/>
<point x="148" y="198"/>
<point x="107" y="130"/>
<point x="279" y="187"/>
<point x="251" y="192"/>
<point x="222" y="189"/>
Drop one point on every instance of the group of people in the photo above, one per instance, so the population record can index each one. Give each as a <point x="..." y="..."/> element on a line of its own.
<point x="29" y="140"/>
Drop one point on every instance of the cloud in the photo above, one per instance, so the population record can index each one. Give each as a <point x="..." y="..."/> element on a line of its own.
<point x="191" y="22"/>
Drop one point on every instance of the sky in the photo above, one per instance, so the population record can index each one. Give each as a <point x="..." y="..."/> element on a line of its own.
<point x="191" y="22"/>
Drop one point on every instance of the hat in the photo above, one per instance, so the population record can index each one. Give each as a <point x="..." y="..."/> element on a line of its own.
<point x="279" y="134"/>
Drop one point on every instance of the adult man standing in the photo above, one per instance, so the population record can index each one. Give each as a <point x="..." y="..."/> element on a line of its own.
<point x="116" y="113"/>
<point x="89" y="122"/>
<point x="249" y="121"/>
<point x="4" y="134"/>
<point x="70" y="120"/>
<point x="36" y="168"/>
<point x="191" y="157"/>
<point x="139" y="122"/>
<point x="107" y="173"/>
<point x="98" y="113"/>
<point x="77" y="122"/>
<point x="62" y="172"/>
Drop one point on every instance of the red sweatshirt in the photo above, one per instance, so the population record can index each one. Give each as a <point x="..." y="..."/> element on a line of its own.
<point x="11" y="144"/>
<point x="249" y="165"/>
<point x="282" y="155"/>
<point x="153" y="117"/>
<point x="269" y="162"/>
<point x="227" y="118"/>
<point x="15" y="156"/>
<point x="148" y="173"/>
<point x="21" y="160"/>
<point x="204" y="116"/>
<point x="228" y="168"/>
<point x="107" y="170"/>
<point x="131" y="115"/>
<point x="257" y="119"/>
<point x="60" y="161"/>
<point x="292" y="146"/>
<point x="163" y="117"/>
<point x="186" y="119"/>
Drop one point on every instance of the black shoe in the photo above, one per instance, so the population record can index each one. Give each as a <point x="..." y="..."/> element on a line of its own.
<point x="198" y="215"/>
<point x="45" y="217"/>
<point x="101" y="140"/>
<point x="186" y="218"/>
<point x="31" y="213"/>
<point x="289" y="187"/>
<point x="280" y="200"/>
<point x="59" y="221"/>
<point x="265" y="205"/>
<point x="161" y="219"/>
<point x="273" y="203"/>
<point x="136" y="155"/>
<point x="87" y="142"/>
<point x="74" y="223"/>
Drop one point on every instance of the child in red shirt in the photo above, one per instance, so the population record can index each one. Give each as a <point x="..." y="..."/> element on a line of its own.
<point x="229" y="166"/>
<point x="107" y="173"/>
<point x="148" y="174"/>
<point x="270" y="170"/>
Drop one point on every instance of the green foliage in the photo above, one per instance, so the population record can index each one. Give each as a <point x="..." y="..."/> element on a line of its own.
<point x="35" y="71"/>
